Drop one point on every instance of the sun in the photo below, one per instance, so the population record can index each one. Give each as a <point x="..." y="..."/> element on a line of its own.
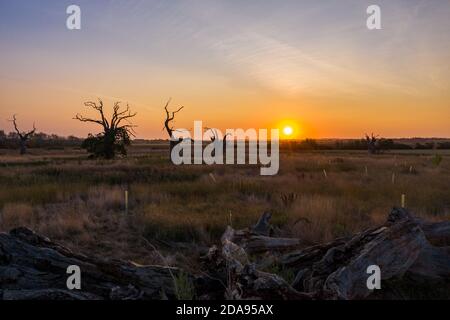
<point x="288" y="131"/>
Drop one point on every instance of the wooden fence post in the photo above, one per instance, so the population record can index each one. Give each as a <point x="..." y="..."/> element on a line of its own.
<point x="126" y="201"/>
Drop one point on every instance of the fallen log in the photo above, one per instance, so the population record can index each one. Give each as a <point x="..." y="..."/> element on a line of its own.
<point x="263" y="227"/>
<point x="393" y="250"/>
<point x="258" y="242"/>
<point x="405" y="249"/>
<point x="306" y="257"/>
<point x="437" y="233"/>
<point x="338" y="270"/>
<point x="33" y="267"/>
<point x="402" y="246"/>
<point x="243" y="280"/>
<point x="432" y="265"/>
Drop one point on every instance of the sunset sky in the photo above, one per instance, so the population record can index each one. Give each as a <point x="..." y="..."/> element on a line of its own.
<point x="231" y="63"/>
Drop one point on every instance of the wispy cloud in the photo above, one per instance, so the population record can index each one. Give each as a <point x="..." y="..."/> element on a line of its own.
<point x="291" y="70"/>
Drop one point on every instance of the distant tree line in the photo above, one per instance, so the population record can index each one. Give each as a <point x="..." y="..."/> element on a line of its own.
<point x="116" y="132"/>
<point x="362" y="144"/>
<point x="11" y="140"/>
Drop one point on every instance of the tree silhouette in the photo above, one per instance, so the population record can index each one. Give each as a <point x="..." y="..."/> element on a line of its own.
<point x="372" y="145"/>
<point x="116" y="132"/>
<point x="170" y="116"/>
<point x="23" y="136"/>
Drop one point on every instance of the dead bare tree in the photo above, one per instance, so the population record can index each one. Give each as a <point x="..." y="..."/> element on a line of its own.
<point x="215" y="137"/>
<point x="170" y="116"/>
<point x="116" y="132"/>
<point x="372" y="146"/>
<point x="23" y="136"/>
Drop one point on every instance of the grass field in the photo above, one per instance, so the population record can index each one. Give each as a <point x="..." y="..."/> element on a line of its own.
<point x="316" y="196"/>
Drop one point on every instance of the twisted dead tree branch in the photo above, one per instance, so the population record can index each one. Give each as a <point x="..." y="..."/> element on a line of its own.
<point x="23" y="135"/>
<point x="170" y="117"/>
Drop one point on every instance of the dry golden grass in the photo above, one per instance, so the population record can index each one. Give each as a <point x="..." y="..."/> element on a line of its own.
<point x="14" y="215"/>
<point x="316" y="196"/>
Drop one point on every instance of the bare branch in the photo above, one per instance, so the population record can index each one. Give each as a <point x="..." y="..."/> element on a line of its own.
<point x="83" y="119"/>
<point x="22" y="135"/>
<point x="15" y="125"/>
<point x="103" y="122"/>
<point x="170" y="116"/>
<point x="30" y="133"/>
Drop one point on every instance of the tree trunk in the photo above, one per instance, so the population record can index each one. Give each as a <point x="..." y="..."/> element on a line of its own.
<point x="172" y="144"/>
<point x="23" y="146"/>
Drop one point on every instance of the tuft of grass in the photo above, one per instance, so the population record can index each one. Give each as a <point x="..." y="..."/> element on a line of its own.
<point x="15" y="215"/>
<point x="286" y="273"/>
<point x="436" y="160"/>
<point x="184" y="288"/>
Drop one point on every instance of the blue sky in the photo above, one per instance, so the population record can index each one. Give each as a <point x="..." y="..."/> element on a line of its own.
<point x="309" y="60"/>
